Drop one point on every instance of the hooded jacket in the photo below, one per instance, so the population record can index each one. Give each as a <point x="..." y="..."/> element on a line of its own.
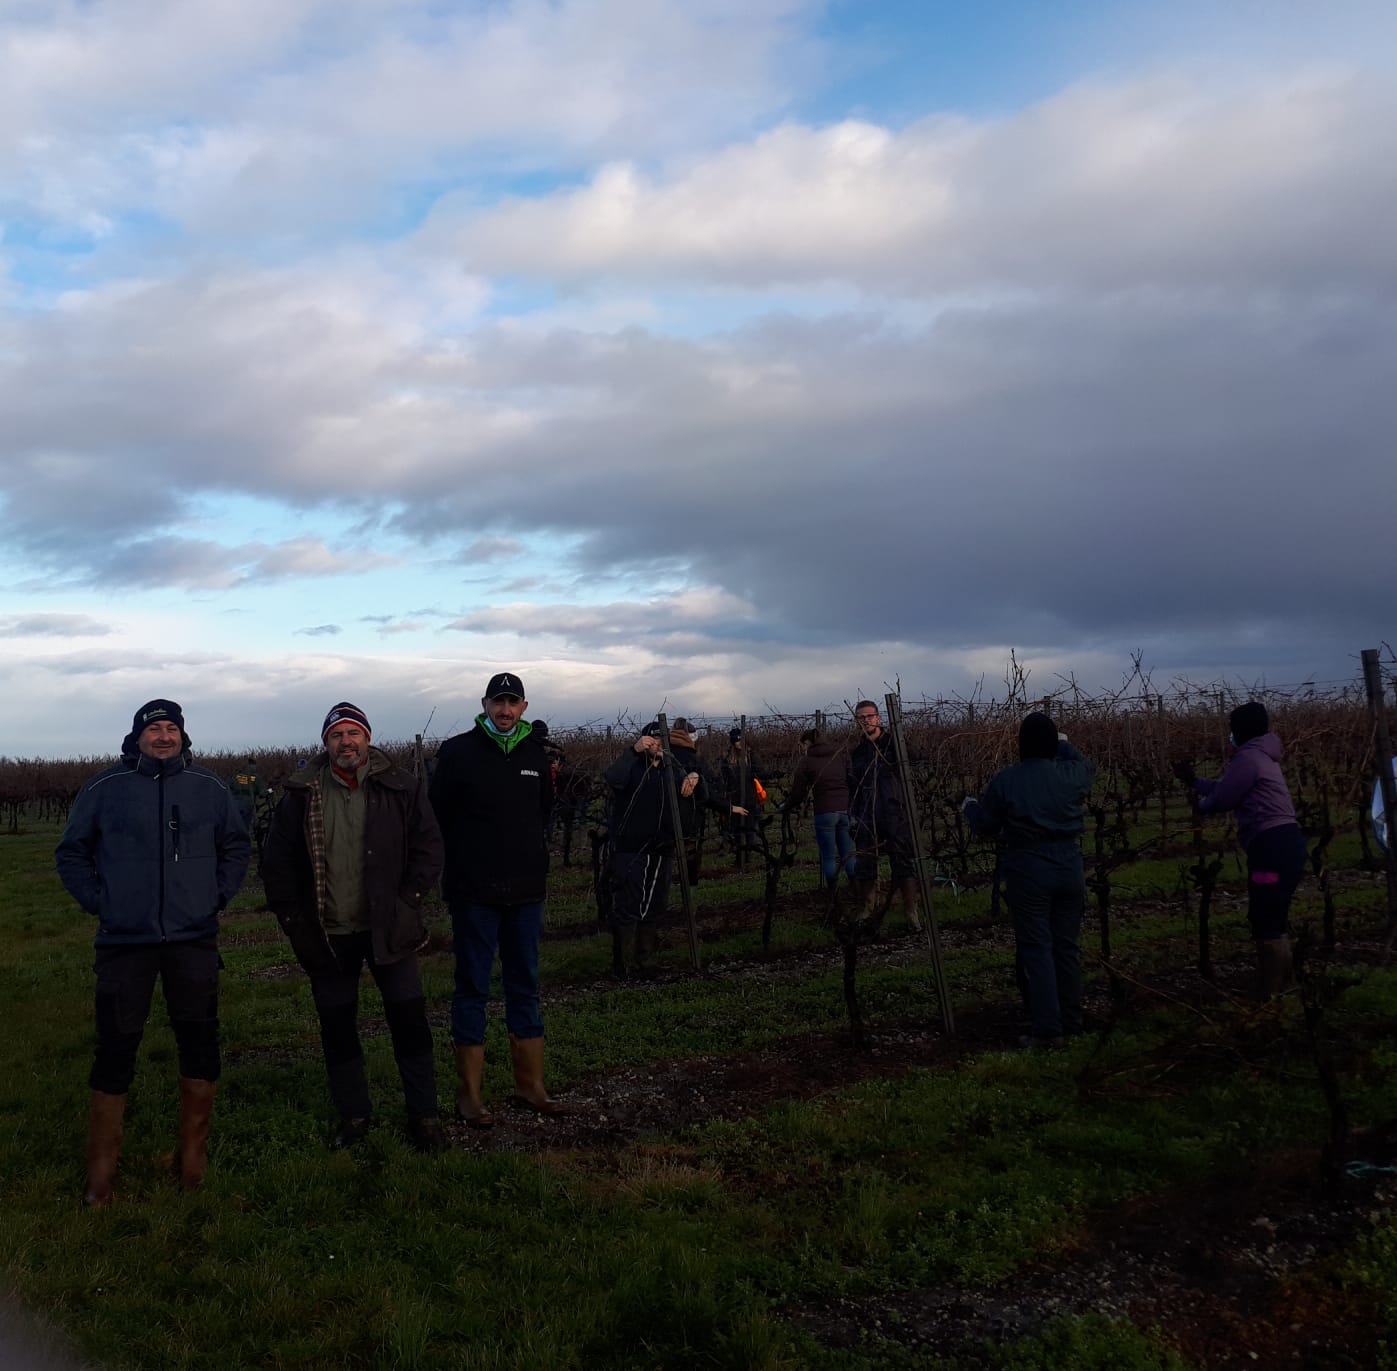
<point x="493" y="807"/>
<point x="1036" y="801"/>
<point x="155" y="849"/>
<point x="1253" y="786"/>
<point x="401" y="861"/>
<point x="825" y="770"/>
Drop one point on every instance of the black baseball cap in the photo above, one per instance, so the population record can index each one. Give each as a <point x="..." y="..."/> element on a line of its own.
<point x="505" y="683"/>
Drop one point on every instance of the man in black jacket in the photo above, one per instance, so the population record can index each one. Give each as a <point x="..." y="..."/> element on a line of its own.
<point x="879" y="819"/>
<point x="492" y="791"/>
<point x="154" y="849"/>
<point x="353" y="849"/>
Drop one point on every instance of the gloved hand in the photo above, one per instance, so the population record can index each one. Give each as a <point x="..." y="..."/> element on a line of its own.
<point x="1184" y="772"/>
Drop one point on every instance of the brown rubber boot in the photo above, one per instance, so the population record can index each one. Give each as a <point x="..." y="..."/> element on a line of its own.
<point x="622" y="951"/>
<point x="646" y="941"/>
<point x="527" y="1054"/>
<point x="105" y="1114"/>
<point x="1275" y="964"/>
<point x="470" y="1071"/>
<point x="911" y="891"/>
<point x="195" y="1110"/>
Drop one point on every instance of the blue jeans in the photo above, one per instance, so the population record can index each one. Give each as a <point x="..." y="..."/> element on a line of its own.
<point x="836" y="844"/>
<point x="1045" y="890"/>
<point x="477" y="930"/>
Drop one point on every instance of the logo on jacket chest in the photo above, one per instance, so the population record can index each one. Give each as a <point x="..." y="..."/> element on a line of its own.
<point x="525" y="771"/>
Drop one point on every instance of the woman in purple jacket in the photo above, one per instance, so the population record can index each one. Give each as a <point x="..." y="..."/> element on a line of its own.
<point x="1252" y="786"/>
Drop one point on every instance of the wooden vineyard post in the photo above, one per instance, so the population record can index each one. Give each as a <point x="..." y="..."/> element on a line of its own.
<point x="924" y="874"/>
<point x="419" y="761"/>
<point x="743" y="769"/>
<point x="1162" y="763"/>
<point x="1377" y="704"/>
<point x="685" y="894"/>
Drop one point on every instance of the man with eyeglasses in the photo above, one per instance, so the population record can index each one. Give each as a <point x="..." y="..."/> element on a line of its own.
<point x="879" y="820"/>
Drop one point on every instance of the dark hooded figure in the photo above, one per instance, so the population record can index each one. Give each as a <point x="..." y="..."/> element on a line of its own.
<point x="1253" y="787"/>
<point x="642" y="826"/>
<point x="154" y="850"/>
<point x="1036" y="809"/>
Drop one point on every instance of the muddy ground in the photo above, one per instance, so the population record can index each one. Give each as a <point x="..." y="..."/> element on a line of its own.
<point x="1232" y="1276"/>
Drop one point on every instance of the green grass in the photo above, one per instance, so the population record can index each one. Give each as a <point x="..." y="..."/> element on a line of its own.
<point x="676" y="1252"/>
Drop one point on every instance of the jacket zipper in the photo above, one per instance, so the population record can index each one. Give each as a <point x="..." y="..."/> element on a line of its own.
<point x="160" y="838"/>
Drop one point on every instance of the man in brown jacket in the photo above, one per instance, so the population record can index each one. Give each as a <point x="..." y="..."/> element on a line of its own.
<point x="352" y="851"/>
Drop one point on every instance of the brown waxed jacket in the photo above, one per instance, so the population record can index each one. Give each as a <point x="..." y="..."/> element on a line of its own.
<point x="402" y="861"/>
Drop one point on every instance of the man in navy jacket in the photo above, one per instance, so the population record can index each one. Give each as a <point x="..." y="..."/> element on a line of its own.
<point x="154" y="849"/>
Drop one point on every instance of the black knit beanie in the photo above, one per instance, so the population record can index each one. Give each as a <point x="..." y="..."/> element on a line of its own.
<point x="1248" y="721"/>
<point x="153" y="712"/>
<point x="1037" y="737"/>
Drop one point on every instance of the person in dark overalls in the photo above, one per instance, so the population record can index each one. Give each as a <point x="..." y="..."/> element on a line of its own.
<point x="1037" y="808"/>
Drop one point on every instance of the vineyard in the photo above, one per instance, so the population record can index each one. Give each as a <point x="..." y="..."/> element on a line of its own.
<point x="780" y="1157"/>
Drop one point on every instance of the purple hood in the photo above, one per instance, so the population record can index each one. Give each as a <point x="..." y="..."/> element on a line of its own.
<point x="1253" y="786"/>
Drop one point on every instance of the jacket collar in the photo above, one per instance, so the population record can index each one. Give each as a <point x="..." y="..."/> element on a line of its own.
<point x="382" y="771"/>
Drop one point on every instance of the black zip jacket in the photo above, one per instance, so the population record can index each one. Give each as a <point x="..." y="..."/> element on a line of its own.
<point x="707" y="795"/>
<point x="493" y="806"/>
<point x="875" y="784"/>
<point x="640" y="802"/>
<point x="154" y="849"/>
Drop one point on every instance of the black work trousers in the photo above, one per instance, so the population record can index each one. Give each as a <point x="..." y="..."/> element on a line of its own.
<point x="126" y="976"/>
<point x="336" y="996"/>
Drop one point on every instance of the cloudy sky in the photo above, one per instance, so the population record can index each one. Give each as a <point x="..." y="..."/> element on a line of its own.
<point x="727" y="354"/>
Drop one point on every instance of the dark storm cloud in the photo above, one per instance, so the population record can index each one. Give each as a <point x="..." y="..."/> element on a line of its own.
<point x="490" y="550"/>
<point x="1056" y="472"/>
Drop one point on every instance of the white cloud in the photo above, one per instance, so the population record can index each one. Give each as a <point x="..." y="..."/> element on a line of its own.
<point x="1152" y="183"/>
<point x="240" y="119"/>
<point x="770" y="416"/>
